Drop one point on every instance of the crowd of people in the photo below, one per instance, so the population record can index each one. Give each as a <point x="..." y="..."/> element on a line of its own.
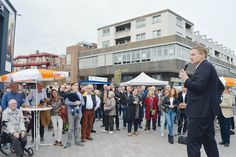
<point x="75" y="110"/>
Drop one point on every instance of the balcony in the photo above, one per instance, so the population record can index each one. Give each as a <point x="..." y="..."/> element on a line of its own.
<point x="123" y="40"/>
<point x="122" y="30"/>
<point x="31" y="64"/>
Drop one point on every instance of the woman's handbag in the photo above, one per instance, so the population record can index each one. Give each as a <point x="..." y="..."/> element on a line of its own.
<point x="107" y="111"/>
<point x="63" y="113"/>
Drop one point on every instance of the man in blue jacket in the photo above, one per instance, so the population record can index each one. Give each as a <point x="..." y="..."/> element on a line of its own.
<point x="13" y="94"/>
<point x="204" y="89"/>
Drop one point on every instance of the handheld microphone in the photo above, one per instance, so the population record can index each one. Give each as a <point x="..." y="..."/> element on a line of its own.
<point x="186" y="66"/>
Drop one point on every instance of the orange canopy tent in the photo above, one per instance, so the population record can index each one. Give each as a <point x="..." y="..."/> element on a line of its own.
<point x="34" y="75"/>
<point x="228" y="81"/>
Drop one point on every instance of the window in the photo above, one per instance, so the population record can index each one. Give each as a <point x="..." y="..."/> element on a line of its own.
<point x="166" y="50"/>
<point x="140" y="37"/>
<point x="179" y="22"/>
<point x="159" y="51"/>
<point x="105" y="44"/>
<point x="156" y="18"/>
<point x="156" y="33"/>
<point x="117" y="58"/>
<point x="140" y="23"/>
<point x="106" y="32"/>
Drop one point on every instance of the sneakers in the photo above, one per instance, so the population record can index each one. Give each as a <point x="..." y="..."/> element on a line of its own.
<point x="105" y="131"/>
<point x="89" y="138"/>
<point x="129" y="134"/>
<point x="232" y="132"/>
<point x="110" y="132"/>
<point x="226" y="144"/>
<point x="60" y="144"/>
<point x="221" y="143"/>
<point x="78" y="143"/>
<point x="67" y="145"/>
<point x="56" y="143"/>
<point x="136" y="133"/>
<point x="162" y="134"/>
<point x="41" y="139"/>
<point x="93" y="131"/>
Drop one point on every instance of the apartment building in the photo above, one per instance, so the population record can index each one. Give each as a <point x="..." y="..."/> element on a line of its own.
<point x="72" y="57"/>
<point x="156" y="43"/>
<point x="39" y="60"/>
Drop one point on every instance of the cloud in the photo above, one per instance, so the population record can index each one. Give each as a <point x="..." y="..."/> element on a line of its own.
<point x="52" y="25"/>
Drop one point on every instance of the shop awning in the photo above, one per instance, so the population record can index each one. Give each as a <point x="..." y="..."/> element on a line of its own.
<point x="83" y="82"/>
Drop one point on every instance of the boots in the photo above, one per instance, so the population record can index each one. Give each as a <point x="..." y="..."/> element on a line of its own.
<point x="171" y="139"/>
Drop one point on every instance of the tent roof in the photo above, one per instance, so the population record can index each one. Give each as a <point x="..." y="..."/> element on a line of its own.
<point x="144" y="79"/>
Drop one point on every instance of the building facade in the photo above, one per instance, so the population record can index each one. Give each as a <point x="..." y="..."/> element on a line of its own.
<point x="72" y="55"/>
<point x="157" y="43"/>
<point x="7" y="35"/>
<point x="38" y="60"/>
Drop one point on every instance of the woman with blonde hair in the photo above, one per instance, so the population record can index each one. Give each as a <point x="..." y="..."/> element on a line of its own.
<point x="170" y="103"/>
<point x="110" y="112"/>
<point x="226" y="113"/>
<point x="151" y="110"/>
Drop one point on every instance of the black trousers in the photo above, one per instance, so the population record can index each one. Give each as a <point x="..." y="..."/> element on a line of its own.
<point x="182" y="122"/>
<point x="41" y="127"/>
<point x="154" y="121"/>
<point x="18" y="144"/>
<point x="201" y="132"/>
<point x="224" y="128"/>
<point x="232" y="123"/>
<point x="109" y="123"/>
<point x="117" y="117"/>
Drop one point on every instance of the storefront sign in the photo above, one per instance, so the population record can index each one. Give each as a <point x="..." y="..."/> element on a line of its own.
<point x="94" y="78"/>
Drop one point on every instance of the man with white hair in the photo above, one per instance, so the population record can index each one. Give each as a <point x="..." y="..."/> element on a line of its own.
<point x="15" y="127"/>
<point x="92" y="102"/>
<point x="12" y="94"/>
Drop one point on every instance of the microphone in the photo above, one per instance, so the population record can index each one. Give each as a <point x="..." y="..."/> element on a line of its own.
<point x="186" y="66"/>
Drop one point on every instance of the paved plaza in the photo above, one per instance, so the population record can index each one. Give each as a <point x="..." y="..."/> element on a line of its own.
<point x="119" y="144"/>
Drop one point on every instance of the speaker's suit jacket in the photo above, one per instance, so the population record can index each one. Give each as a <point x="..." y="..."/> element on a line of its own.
<point x="204" y="91"/>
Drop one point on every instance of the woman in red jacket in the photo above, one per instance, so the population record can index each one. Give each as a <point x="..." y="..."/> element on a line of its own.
<point x="151" y="110"/>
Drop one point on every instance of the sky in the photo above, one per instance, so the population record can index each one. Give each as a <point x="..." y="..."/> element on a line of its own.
<point x="52" y="25"/>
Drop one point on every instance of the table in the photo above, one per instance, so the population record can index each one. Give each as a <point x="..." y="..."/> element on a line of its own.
<point x="36" y="119"/>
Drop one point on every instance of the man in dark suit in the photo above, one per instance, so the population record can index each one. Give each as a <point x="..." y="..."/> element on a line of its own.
<point x="182" y="119"/>
<point x="204" y="90"/>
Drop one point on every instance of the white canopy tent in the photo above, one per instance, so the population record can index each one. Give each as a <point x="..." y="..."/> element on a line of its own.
<point x="144" y="79"/>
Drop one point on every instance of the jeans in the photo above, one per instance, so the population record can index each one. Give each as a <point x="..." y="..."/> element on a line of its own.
<point x="57" y="123"/>
<point x="163" y="122"/>
<point x="170" y="117"/>
<point x="74" y="126"/>
<point x="124" y="116"/>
